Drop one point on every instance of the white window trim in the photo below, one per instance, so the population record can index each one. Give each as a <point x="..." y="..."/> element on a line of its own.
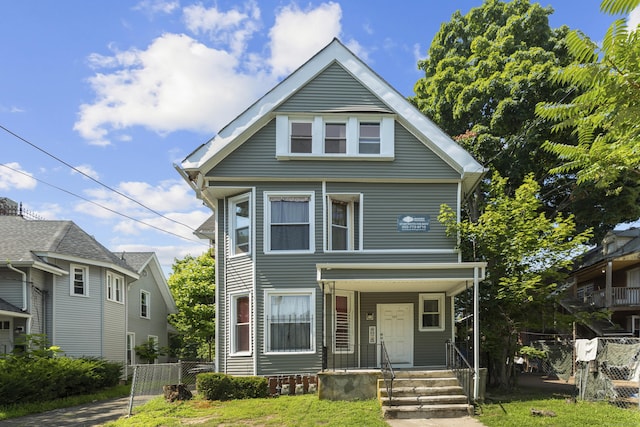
<point x="233" y="297"/>
<point x="387" y="137"/>
<point x="111" y="287"/>
<point x="350" y="198"/>
<point x="267" y="312"/>
<point x="431" y="296"/>
<point x="267" y="221"/>
<point x="148" y="294"/>
<point x="85" y="276"/>
<point x="131" y="339"/>
<point x="351" y="327"/>
<point x="232" y="225"/>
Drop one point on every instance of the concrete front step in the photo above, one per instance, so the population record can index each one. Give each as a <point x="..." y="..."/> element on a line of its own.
<point x="422" y="391"/>
<point x="425" y="382"/>
<point x="428" y="411"/>
<point x="423" y="400"/>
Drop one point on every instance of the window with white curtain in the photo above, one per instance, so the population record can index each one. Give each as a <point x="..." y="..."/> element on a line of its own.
<point x="289" y="321"/>
<point x="289" y="222"/>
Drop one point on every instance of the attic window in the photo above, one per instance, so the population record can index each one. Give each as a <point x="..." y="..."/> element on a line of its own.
<point x="335" y="137"/>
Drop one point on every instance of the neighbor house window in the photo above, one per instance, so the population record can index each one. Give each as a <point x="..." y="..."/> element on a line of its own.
<point x="301" y="137"/>
<point x="289" y="321"/>
<point x="335" y="138"/>
<point x="343" y="323"/>
<point x="79" y="277"/>
<point x="240" y="222"/>
<point x="131" y="343"/>
<point x="369" y="138"/>
<point x="289" y="222"/>
<point x="432" y="312"/>
<point x="145" y="300"/>
<point x="241" y="315"/>
<point x="115" y="287"/>
<point x="343" y="222"/>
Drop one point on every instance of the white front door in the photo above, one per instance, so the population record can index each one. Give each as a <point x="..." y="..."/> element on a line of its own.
<point x="395" y="325"/>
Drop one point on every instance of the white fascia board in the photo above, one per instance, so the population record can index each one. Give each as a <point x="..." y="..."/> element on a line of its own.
<point x="90" y="262"/>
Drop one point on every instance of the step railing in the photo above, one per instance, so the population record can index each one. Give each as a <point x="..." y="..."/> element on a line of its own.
<point x="387" y="371"/>
<point x="463" y="371"/>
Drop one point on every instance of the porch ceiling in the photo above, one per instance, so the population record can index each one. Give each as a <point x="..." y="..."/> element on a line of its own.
<point x="450" y="278"/>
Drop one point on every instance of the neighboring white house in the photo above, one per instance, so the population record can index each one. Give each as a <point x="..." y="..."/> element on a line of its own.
<point x="57" y="280"/>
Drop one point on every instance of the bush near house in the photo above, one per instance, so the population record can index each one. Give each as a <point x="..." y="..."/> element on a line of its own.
<point x="217" y="386"/>
<point x="39" y="375"/>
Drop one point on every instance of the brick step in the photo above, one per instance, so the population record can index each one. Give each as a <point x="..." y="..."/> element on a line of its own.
<point x="423" y="400"/>
<point x="427" y="411"/>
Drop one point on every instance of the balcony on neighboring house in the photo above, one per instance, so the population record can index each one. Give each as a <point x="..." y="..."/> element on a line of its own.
<point x="621" y="297"/>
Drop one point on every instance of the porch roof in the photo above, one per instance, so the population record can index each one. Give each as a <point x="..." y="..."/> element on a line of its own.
<point x="450" y="278"/>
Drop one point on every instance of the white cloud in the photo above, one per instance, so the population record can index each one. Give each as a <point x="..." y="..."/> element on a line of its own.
<point x="634" y="19"/>
<point x="13" y="177"/>
<point x="153" y="7"/>
<point x="87" y="170"/>
<point x="180" y="82"/>
<point x="297" y="35"/>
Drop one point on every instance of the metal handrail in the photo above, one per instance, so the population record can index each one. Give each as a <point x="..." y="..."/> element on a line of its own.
<point x="387" y="371"/>
<point x="462" y="369"/>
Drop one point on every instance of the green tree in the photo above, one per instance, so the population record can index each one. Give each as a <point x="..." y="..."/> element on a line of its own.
<point x="605" y="114"/>
<point x="485" y="73"/>
<point x="192" y="284"/>
<point x="525" y="252"/>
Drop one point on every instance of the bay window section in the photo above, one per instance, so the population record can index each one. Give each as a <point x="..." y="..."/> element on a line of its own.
<point x="289" y="222"/>
<point x="290" y="321"/>
<point x="240" y="223"/>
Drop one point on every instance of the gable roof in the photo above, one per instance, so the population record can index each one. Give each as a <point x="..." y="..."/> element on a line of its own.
<point x="32" y="242"/>
<point x="237" y="131"/>
<point x="139" y="261"/>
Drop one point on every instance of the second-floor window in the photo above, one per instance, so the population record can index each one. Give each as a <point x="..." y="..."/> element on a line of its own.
<point x="145" y="301"/>
<point x="240" y="223"/>
<point x="289" y="222"/>
<point x="343" y="222"/>
<point x="300" y="137"/>
<point x="335" y="138"/>
<point x="115" y="285"/>
<point x="79" y="277"/>
<point x="369" y="138"/>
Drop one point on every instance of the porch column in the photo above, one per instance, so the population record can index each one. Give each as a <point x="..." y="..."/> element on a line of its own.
<point x="608" y="296"/>
<point x="476" y="334"/>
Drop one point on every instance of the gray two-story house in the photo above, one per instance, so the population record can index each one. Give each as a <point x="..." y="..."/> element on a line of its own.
<point x="325" y="194"/>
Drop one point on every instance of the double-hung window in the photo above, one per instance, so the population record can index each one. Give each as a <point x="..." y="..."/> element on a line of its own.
<point x="240" y="223"/>
<point x="145" y="301"/>
<point x="301" y="136"/>
<point x="343" y="231"/>
<point x="289" y="321"/>
<point x="79" y="277"/>
<point x="241" y="323"/>
<point x="289" y="222"/>
<point x="432" y="312"/>
<point x="369" y="138"/>
<point x="343" y="323"/>
<point x="115" y="287"/>
<point x="335" y="138"/>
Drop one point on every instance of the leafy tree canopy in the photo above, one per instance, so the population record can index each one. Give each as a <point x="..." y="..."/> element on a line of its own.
<point x="604" y="116"/>
<point x="485" y="73"/>
<point x="192" y="284"/>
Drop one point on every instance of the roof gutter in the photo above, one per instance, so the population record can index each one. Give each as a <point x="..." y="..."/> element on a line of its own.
<point x="24" y="284"/>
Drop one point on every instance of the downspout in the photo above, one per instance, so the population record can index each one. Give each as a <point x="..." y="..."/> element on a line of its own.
<point x="24" y="284"/>
<point x="476" y="333"/>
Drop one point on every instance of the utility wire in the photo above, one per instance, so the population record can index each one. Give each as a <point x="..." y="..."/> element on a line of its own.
<point x="101" y="206"/>
<point x="92" y="178"/>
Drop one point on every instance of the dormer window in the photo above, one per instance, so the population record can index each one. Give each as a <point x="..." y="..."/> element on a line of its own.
<point x="335" y="137"/>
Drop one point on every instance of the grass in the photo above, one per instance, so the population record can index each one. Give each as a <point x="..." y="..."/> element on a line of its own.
<point x="284" y="411"/>
<point x="514" y="410"/>
<point x="19" y="410"/>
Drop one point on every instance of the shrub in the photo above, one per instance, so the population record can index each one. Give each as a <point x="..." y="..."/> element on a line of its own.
<point x="217" y="386"/>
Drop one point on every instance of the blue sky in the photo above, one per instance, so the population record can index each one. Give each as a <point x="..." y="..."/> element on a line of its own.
<point x="122" y="90"/>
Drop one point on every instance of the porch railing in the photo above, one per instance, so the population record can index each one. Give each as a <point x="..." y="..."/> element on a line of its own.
<point x="620" y="296"/>
<point x="387" y="371"/>
<point x="458" y="363"/>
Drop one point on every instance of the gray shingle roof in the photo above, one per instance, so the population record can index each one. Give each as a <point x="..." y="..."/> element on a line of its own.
<point x="137" y="260"/>
<point x="5" y="306"/>
<point x="22" y="239"/>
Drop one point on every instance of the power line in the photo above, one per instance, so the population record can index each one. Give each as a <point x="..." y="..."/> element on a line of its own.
<point x="93" y="179"/>
<point x="101" y="206"/>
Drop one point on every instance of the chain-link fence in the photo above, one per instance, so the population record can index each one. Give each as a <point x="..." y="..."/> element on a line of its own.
<point x="147" y="380"/>
<point x="603" y="369"/>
